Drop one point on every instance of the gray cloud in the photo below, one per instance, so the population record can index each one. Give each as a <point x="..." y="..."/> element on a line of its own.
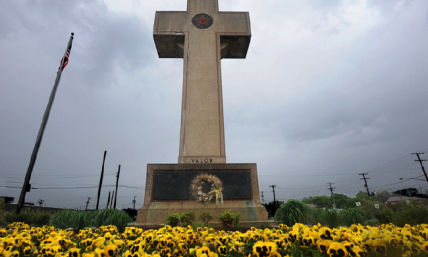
<point x="305" y="105"/>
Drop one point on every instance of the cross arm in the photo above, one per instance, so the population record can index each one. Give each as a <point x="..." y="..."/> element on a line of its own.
<point x="168" y="31"/>
<point x="235" y="32"/>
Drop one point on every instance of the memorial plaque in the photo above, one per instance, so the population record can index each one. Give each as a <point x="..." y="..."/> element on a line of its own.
<point x="175" y="185"/>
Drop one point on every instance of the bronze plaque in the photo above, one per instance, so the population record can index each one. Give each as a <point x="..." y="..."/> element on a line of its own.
<point x="175" y="185"/>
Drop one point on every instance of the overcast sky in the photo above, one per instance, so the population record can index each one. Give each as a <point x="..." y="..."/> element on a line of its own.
<point x="329" y="89"/>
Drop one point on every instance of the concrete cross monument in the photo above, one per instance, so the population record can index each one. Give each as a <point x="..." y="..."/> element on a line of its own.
<point x="202" y="36"/>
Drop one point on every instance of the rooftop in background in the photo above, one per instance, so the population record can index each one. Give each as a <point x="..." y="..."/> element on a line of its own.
<point x="7" y="199"/>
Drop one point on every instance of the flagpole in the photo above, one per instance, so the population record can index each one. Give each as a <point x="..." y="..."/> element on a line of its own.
<point x="26" y="186"/>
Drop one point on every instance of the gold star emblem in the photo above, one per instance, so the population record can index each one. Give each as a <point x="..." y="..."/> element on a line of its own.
<point x="203" y="21"/>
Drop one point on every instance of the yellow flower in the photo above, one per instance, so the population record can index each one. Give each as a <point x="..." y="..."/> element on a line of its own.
<point x="337" y="250"/>
<point x="280" y="244"/>
<point x="99" y="252"/>
<point x="222" y="250"/>
<point x="323" y="245"/>
<point x="74" y="252"/>
<point x="165" y="251"/>
<point x="325" y="234"/>
<point x="137" y="248"/>
<point x="15" y="254"/>
<point x="97" y="243"/>
<point x="348" y="246"/>
<point x="264" y="249"/>
<point x="307" y="242"/>
<point x="237" y="247"/>
<point x="110" y="250"/>
<point x="203" y="250"/>
<point x="379" y="246"/>
<point x="192" y="251"/>
<point x="293" y="236"/>
<point x="223" y="240"/>
<point x="357" y="252"/>
<point x="425" y="247"/>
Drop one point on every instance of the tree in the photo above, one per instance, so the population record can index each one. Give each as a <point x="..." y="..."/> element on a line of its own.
<point x="321" y="201"/>
<point x="341" y="201"/>
<point x="382" y="196"/>
<point x="307" y="200"/>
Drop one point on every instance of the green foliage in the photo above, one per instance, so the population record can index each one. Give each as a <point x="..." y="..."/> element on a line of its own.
<point x="382" y="196"/>
<point x="321" y="201"/>
<point x="205" y="217"/>
<point x="184" y="219"/>
<point x="3" y="223"/>
<point x="173" y="219"/>
<point x="315" y="216"/>
<point x="2" y="204"/>
<point x="34" y="218"/>
<point x="291" y="212"/>
<point x="187" y="218"/>
<point x="372" y="222"/>
<point x="384" y="214"/>
<point x="351" y="216"/>
<point x="331" y="218"/>
<point x="410" y="213"/>
<point x="81" y="219"/>
<point x="342" y="201"/>
<point x="229" y="220"/>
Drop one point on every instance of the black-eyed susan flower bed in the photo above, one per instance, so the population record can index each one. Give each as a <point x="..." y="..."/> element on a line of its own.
<point x="300" y="240"/>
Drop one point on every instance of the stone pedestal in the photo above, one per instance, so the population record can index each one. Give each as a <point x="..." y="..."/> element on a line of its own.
<point x="168" y="191"/>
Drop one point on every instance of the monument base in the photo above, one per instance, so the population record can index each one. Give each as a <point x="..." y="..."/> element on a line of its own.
<point x="168" y="191"/>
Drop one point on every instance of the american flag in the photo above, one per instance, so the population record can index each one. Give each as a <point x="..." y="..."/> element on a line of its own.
<point x="64" y="60"/>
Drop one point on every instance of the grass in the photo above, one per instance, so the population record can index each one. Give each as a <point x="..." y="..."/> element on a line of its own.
<point x="292" y="212"/>
<point x="81" y="219"/>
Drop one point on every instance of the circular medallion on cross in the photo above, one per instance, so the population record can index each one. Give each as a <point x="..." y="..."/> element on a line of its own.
<point x="202" y="21"/>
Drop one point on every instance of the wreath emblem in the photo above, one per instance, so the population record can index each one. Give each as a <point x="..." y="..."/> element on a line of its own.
<point x="216" y="188"/>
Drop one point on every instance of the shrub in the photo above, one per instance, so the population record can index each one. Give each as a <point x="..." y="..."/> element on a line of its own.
<point x="205" y="217"/>
<point x="331" y="218"/>
<point x="384" y="215"/>
<point x="410" y="213"/>
<point x="173" y="219"/>
<point x="34" y="218"/>
<point x="351" y="216"/>
<point x="3" y="223"/>
<point x="292" y="212"/>
<point x="81" y="219"/>
<point x="114" y="217"/>
<point x="229" y="220"/>
<point x="372" y="222"/>
<point x="315" y="217"/>
<point x="187" y="218"/>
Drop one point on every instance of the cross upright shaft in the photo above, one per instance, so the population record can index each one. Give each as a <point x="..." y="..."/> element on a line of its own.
<point x="202" y="36"/>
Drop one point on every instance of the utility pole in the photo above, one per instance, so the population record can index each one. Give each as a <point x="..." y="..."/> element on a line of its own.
<point x="101" y="180"/>
<point x="263" y="199"/>
<point x="108" y="199"/>
<point x="420" y="161"/>
<point x="133" y="201"/>
<point x="117" y="182"/>
<point x="274" y="199"/>
<point x="332" y="195"/>
<point x="112" y="196"/>
<point x="87" y="203"/>
<point x="365" y="185"/>
<point x="273" y="189"/>
<point x="40" y="202"/>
